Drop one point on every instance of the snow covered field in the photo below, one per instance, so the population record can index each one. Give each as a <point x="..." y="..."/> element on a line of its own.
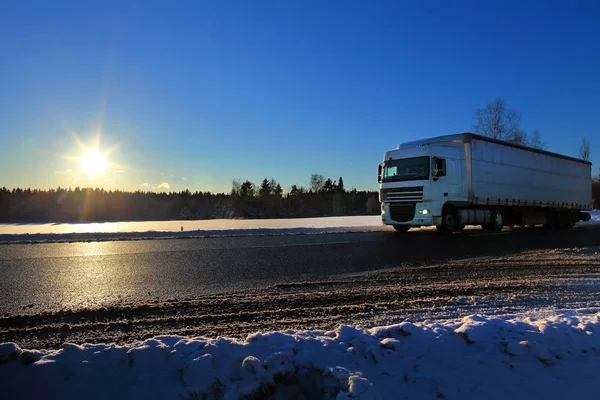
<point x="202" y="228"/>
<point x="526" y="357"/>
<point x="215" y="227"/>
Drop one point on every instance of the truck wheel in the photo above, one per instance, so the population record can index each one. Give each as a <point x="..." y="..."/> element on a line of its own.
<point x="450" y="221"/>
<point x="497" y="222"/>
<point x="572" y="220"/>
<point x="572" y="224"/>
<point x="401" y="228"/>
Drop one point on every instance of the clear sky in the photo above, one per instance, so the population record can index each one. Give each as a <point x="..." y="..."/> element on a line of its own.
<point x="196" y="93"/>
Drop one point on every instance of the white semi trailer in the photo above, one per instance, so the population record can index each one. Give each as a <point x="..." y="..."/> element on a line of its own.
<point x="466" y="179"/>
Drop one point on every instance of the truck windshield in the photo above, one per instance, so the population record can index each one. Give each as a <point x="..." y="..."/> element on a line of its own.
<point x="407" y="169"/>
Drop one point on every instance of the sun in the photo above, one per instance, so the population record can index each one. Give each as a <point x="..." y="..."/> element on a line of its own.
<point x="93" y="162"/>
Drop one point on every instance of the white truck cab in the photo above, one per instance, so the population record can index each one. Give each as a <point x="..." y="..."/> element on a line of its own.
<point x="454" y="180"/>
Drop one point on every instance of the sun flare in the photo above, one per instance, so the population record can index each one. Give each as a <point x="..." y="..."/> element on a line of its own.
<point x="93" y="162"/>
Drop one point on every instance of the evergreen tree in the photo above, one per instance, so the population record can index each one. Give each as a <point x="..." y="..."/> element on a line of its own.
<point x="273" y="185"/>
<point x="247" y="189"/>
<point x="265" y="188"/>
<point x="340" y="185"/>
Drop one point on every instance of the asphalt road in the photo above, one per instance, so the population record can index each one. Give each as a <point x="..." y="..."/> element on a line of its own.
<point x="50" y="277"/>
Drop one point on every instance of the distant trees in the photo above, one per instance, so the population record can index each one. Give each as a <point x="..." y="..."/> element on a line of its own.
<point x="497" y="121"/>
<point x="295" y="190"/>
<point x="87" y="204"/>
<point x="270" y="188"/>
<point x="536" y="140"/>
<point x="247" y="189"/>
<point x="236" y="187"/>
<point x="328" y="186"/>
<point x="584" y="149"/>
<point x="325" y="197"/>
<point x="265" y="188"/>
<point x="316" y="182"/>
<point x="244" y="200"/>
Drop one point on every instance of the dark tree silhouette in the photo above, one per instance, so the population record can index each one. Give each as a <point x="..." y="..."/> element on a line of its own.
<point x="328" y="186"/>
<point x="265" y="188"/>
<point x="87" y="204"/>
<point x="316" y="182"/>
<point x="340" y="185"/>
<point x="247" y="189"/>
<point x="584" y="149"/>
<point x="495" y="120"/>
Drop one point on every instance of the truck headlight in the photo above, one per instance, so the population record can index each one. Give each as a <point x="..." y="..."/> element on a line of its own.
<point x="424" y="212"/>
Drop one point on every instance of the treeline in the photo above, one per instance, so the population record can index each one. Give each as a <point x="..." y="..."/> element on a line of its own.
<point x="324" y="197"/>
<point x="245" y="200"/>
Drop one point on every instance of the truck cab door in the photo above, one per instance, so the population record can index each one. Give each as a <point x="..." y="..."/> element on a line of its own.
<point x="446" y="177"/>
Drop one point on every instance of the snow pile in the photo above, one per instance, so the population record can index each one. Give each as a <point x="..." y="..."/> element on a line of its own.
<point x="160" y="229"/>
<point x="554" y="357"/>
<point x="595" y="214"/>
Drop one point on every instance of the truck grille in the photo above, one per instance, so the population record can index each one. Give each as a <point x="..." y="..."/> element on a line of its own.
<point x="402" y="212"/>
<point x="402" y="194"/>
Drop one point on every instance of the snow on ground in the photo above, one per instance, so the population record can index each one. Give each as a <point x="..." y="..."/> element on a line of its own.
<point x="595" y="218"/>
<point x="201" y="228"/>
<point x="550" y="356"/>
<point x="215" y="227"/>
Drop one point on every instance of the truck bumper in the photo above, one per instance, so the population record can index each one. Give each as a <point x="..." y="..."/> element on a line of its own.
<point x="424" y="215"/>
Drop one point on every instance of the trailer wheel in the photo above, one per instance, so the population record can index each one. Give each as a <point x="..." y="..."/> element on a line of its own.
<point x="562" y="221"/>
<point x="450" y="222"/>
<point x="497" y="222"/>
<point x="402" y="228"/>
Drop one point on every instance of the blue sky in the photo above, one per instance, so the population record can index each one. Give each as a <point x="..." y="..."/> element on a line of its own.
<point x="196" y="93"/>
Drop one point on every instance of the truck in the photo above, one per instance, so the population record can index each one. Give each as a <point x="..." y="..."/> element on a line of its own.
<point x="465" y="179"/>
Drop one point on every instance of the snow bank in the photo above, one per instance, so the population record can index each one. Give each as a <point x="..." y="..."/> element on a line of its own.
<point x="553" y="357"/>
<point x="173" y="229"/>
<point x="595" y="218"/>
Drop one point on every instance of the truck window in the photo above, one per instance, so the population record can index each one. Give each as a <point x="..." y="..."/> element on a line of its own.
<point x="406" y="169"/>
<point x="439" y="167"/>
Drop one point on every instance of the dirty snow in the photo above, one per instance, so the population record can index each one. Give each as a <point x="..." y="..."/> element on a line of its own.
<point x="551" y="356"/>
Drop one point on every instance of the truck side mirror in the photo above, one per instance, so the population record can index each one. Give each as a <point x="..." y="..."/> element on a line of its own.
<point x="379" y="169"/>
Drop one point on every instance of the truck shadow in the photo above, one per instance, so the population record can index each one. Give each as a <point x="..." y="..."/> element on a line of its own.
<point x="426" y="245"/>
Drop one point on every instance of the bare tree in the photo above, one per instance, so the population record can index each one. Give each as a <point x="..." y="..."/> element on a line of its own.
<point x="495" y="120"/>
<point x="536" y="140"/>
<point x="519" y="136"/>
<point x="316" y="182"/>
<point x="584" y="149"/>
<point x="236" y="186"/>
